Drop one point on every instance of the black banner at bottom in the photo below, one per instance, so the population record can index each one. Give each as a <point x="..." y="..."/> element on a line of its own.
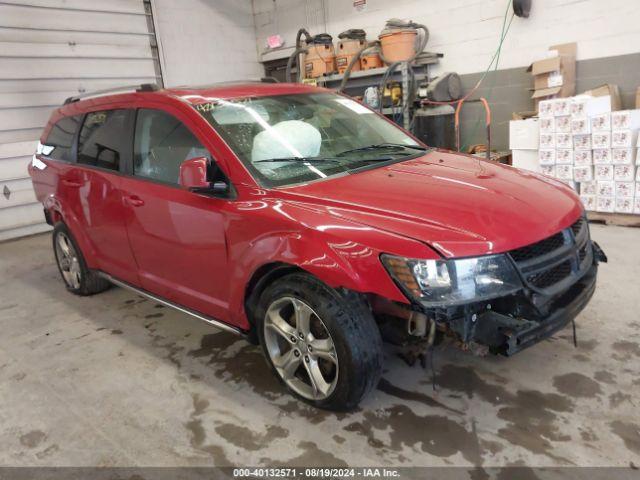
<point x="300" y="473"/>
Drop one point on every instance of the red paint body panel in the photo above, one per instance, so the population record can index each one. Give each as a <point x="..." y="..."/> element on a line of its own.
<point x="461" y="205"/>
<point x="202" y="252"/>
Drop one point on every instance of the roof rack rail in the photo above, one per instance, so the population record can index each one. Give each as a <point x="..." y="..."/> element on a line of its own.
<point x="144" y="87"/>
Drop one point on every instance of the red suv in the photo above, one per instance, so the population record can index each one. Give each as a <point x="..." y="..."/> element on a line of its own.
<point x="308" y="223"/>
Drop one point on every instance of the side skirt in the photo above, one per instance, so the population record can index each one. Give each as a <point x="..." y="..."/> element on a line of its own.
<point x="211" y="321"/>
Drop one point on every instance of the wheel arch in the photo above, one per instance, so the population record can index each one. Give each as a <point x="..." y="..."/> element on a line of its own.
<point x="264" y="276"/>
<point x="57" y="213"/>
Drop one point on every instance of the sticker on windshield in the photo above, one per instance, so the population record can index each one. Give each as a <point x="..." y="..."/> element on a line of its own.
<point x="353" y="105"/>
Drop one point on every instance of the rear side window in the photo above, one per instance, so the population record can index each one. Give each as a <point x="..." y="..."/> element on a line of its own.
<point x="162" y="143"/>
<point x="61" y="137"/>
<point x="103" y="139"/>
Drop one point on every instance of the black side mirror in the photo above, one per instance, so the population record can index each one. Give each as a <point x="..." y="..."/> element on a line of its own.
<point x="219" y="188"/>
<point x="215" y="189"/>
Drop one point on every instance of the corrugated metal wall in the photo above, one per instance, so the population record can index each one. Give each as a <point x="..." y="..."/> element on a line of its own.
<point x="49" y="50"/>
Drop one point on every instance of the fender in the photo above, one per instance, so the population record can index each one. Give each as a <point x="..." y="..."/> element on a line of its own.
<point x="339" y="252"/>
<point x="57" y="210"/>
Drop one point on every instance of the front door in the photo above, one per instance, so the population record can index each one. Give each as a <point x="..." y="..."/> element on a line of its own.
<point x="177" y="237"/>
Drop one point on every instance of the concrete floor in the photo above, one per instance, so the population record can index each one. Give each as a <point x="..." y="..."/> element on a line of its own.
<point x="115" y="380"/>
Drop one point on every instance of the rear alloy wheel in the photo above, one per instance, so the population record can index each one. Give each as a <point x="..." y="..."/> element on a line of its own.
<point x="68" y="261"/>
<point x="300" y="348"/>
<point x="323" y="344"/>
<point x="78" y="278"/>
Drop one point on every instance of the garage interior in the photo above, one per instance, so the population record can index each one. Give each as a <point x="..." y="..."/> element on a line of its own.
<point x="117" y="380"/>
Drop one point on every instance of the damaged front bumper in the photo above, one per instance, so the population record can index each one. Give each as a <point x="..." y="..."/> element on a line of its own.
<point x="558" y="278"/>
<point x="509" y="325"/>
<point x="506" y="335"/>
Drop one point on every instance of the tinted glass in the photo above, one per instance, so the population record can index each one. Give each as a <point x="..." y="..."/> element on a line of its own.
<point x="61" y="137"/>
<point x="161" y="144"/>
<point x="103" y="139"/>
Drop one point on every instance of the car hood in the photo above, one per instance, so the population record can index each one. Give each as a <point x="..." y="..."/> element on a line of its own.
<point x="458" y="204"/>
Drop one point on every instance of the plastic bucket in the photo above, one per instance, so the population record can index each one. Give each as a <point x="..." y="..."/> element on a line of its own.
<point x="399" y="45"/>
<point x="370" y="60"/>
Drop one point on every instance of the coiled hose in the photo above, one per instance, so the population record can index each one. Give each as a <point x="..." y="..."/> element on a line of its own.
<point x="354" y="60"/>
<point x="299" y="50"/>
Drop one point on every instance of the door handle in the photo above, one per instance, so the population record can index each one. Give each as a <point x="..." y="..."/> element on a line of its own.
<point x="134" y="201"/>
<point x="71" y="183"/>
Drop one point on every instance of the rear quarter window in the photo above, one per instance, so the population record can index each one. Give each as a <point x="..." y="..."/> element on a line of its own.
<point x="61" y="137"/>
<point x="103" y="139"/>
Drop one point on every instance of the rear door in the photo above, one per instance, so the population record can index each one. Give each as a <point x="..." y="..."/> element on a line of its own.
<point x="93" y="189"/>
<point x="177" y="237"/>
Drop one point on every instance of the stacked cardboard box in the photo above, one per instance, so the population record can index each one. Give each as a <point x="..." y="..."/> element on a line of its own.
<point x="554" y="75"/>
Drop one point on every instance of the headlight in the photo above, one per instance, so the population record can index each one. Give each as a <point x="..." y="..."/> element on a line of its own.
<point x="451" y="282"/>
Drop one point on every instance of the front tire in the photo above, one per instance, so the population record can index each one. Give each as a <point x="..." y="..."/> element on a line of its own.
<point x="77" y="277"/>
<point x="324" y="346"/>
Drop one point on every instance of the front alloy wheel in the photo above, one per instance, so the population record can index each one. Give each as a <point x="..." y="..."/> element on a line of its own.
<point x="300" y="348"/>
<point x="323" y="344"/>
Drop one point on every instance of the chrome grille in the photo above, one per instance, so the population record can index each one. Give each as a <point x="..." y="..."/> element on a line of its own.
<point x="557" y="261"/>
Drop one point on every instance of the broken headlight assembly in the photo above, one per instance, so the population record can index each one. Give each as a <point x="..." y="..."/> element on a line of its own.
<point x="443" y="283"/>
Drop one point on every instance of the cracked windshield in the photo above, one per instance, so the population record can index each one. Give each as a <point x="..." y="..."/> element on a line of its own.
<point x="289" y="139"/>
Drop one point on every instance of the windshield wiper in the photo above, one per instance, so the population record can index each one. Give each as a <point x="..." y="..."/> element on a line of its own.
<point x="299" y="159"/>
<point x="382" y="146"/>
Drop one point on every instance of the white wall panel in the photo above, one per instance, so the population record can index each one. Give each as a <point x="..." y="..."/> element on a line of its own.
<point x="18" y="192"/>
<point x="52" y="68"/>
<point x="50" y="50"/>
<point x="20" y="216"/>
<point x="112" y="6"/>
<point x="75" y="85"/>
<point x="22" y="118"/>
<point x="38" y="18"/>
<point x="64" y="50"/>
<point x="17" y="149"/>
<point x="74" y="37"/>
<point x="467" y="31"/>
<point x="13" y="168"/>
<point x="206" y="41"/>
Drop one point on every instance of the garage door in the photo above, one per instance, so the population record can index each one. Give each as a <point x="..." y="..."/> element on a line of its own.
<point x="50" y="50"/>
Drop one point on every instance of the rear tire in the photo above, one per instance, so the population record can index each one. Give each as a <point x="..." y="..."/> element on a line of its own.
<point x="77" y="277"/>
<point x="324" y="346"/>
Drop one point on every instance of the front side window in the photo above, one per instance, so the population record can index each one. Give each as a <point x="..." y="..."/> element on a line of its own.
<point x="60" y="138"/>
<point x="162" y="143"/>
<point x="288" y="139"/>
<point x="103" y="139"/>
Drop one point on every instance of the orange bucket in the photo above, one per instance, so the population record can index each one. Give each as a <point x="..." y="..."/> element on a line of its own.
<point x="398" y="45"/>
<point x="370" y="60"/>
